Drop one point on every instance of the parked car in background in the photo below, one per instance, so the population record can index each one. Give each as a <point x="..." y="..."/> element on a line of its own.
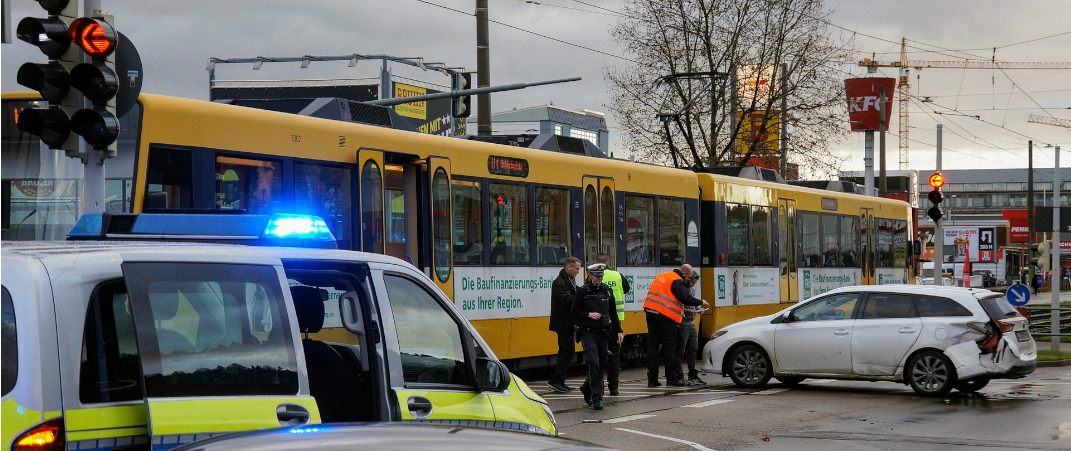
<point x="988" y="279"/>
<point x="386" y="436"/>
<point x="933" y="338"/>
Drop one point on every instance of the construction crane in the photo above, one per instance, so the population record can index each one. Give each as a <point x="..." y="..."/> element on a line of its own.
<point x="1047" y="120"/>
<point x="903" y="86"/>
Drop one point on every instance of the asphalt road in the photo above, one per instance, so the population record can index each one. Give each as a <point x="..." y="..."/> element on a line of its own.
<point x="1029" y="413"/>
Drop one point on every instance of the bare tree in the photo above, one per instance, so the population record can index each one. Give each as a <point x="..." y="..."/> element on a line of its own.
<point x="703" y="38"/>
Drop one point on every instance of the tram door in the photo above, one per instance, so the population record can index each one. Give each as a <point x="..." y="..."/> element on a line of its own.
<point x="599" y="219"/>
<point x="868" y="241"/>
<point x="788" y="248"/>
<point x="395" y="210"/>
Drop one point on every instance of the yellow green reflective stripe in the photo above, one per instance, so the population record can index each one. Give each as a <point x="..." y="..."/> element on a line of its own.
<point x="18" y="418"/>
<point x="104" y="422"/>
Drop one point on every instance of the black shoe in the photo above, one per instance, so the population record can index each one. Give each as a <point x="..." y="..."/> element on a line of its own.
<point x="587" y="393"/>
<point x="614" y="393"/>
<point x="567" y="388"/>
<point x="676" y="383"/>
<point x="598" y="405"/>
<point x="653" y="384"/>
<point x="558" y="387"/>
<point x="696" y="381"/>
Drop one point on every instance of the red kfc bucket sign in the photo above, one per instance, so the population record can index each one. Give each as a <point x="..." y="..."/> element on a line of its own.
<point x="863" y="95"/>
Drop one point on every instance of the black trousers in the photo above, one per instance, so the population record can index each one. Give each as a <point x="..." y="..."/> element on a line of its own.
<point x="595" y="355"/>
<point x="613" y="363"/>
<point x="566" y="356"/>
<point x="662" y="341"/>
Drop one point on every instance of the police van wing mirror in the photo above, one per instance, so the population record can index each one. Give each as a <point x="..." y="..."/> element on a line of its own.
<point x="352" y="320"/>
<point x="491" y="375"/>
<point x="787" y="317"/>
<point x="156" y="200"/>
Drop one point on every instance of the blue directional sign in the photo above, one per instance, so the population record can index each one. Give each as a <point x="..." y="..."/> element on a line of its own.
<point x="1018" y="295"/>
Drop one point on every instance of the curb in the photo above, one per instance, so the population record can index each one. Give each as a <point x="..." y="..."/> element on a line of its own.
<point x="1054" y="363"/>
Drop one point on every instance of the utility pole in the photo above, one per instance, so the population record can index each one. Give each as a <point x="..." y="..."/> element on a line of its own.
<point x="483" y="70"/>
<point x="1030" y="210"/>
<point x="1055" y="253"/>
<point x="881" y="151"/>
<point x="784" y="119"/>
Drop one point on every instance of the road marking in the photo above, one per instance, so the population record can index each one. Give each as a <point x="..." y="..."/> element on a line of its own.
<point x="707" y="393"/>
<point x="708" y="403"/>
<point x="686" y="442"/>
<point x="821" y="381"/>
<point x="771" y="391"/>
<point x="628" y="418"/>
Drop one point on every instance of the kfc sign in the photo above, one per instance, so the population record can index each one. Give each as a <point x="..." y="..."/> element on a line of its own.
<point x="863" y="97"/>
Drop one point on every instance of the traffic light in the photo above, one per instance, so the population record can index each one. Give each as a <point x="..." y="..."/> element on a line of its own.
<point x="1040" y="255"/>
<point x="52" y="79"/>
<point x="97" y="81"/>
<point x="462" y="104"/>
<point x="936" y="182"/>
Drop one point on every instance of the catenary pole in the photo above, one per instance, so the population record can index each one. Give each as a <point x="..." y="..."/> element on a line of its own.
<point x="938" y="232"/>
<point x="1054" y="252"/>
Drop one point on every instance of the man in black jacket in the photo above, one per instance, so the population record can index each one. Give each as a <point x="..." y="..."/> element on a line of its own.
<point x="561" y="321"/>
<point x="595" y="313"/>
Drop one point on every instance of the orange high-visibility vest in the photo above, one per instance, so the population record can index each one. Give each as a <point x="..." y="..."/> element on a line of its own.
<point x="660" y="298"/>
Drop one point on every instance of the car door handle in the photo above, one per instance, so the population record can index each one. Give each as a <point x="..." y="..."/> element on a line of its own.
<point x="419" y="406"/>
<point x="907" y="330"/>
<point x="292" y="414"/>
<point x="841" y="332"/>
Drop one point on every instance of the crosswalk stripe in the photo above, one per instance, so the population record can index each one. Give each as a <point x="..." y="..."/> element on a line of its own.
<point x="628" y="418"/>
<point x="771" y="391"/>
<point x="708" y="403"/>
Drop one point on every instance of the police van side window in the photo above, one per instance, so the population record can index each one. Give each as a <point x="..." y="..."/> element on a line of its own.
<point x="211" y="329"/>
<point x="9" y="343"/>
<point x="428" y="336"/>
<point x="109" y="370"/>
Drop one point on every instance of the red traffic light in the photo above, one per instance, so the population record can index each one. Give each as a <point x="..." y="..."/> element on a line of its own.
<point x="94" y="36"/>
<point x="500" y="200"/>
<point x="937" y="180"/>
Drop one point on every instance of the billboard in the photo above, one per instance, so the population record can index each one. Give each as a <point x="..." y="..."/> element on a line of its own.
<point x="751" y="131"/>
<point x="428" y="116"/>
<point x="863" y="95"/>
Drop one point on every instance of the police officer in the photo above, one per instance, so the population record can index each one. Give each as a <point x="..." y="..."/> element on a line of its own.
<point x="619" y="285"/>
<point x="664" y="307"/>
<point x="595" y="313"/>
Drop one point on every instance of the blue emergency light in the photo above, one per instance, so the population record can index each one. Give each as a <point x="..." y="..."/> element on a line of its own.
<point x="293" y="230"/>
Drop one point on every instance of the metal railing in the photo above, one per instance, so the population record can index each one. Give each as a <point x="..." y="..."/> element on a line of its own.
<point x="1040" y="321"/>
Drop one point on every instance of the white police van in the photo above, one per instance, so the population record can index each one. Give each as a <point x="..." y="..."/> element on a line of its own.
<point x="113" y="344"/>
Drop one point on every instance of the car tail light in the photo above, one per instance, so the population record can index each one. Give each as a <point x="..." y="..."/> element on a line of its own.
<point x="47" y="436"/>
<point x="1004" y="327"/>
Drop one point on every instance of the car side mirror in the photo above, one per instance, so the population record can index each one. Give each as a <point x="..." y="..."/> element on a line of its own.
<point x="787" y="317"/>
<point x="491" y="375"/>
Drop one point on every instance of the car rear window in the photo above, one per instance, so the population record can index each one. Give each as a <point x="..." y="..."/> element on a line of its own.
<point x="998" y="307"/>
<point x="939" y="306"/>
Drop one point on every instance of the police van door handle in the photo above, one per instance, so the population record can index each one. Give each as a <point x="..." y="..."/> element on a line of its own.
<point x="420" y="407"/>
<point x="292" y="414"/>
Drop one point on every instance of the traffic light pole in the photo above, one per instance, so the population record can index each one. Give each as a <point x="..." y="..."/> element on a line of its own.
<point x="1055" y="253"/>
<point x="938" y="232"/>
<point x="93" y="163"/>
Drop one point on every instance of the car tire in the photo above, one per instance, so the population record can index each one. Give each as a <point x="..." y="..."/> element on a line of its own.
<point x="790" y="380"/>
<point x="930" y="373"/>
<point x="749" y="366"/>
<point x="972" y="385"/>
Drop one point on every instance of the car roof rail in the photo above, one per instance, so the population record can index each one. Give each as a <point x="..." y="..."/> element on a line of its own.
<point x="280" y="229"/>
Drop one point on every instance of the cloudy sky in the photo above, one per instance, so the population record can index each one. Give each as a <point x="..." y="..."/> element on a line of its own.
<point x="984" y="112"/>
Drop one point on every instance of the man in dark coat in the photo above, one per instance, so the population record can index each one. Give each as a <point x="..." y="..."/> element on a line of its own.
<point x="561" y="321"/>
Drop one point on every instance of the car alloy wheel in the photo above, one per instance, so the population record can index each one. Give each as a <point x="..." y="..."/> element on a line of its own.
<point x="931" y="374"/>
<point x="972" y="385"/>
<point x="750" y="366"/>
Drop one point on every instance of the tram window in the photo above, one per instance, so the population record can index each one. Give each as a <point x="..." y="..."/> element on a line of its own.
<point x="509" y="223"/>
<point x="248" y="184"/>
<point x="810" y="240"/>
<point x="671" y="231"/>
<point x="468" y="223"/>
<point x="325" y="191"/>
<point x="900" y="244"/>
<point x="831" y="237"/>
<point x="639" y="241"/>
<point x="737" y="216"/>
<point x="849" y="247"/>
<point x="371" y="208"/>
<point x="440" y="223"/>
<point x="171" y="172"/>
<point x="608" y="243"/>
<point x="552" y="225"/>
<point x="761" y="228"/>
<point x="591" y="223"/>
<point x="395" y="230"/>
<point x="885" y="241"/>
